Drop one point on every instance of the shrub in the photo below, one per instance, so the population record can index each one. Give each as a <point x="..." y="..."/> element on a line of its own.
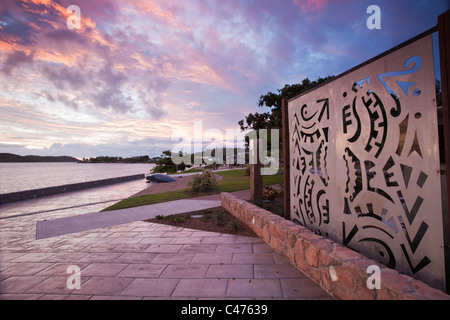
<point x="205" y="182"/>
<point x="219" y="218"/>
<point x="269" y="193"/>
<point x="176" y="219"/>
<point x="235" y="225"/>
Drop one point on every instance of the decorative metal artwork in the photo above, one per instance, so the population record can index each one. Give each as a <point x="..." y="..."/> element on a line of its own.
<point x="365" y="162"/>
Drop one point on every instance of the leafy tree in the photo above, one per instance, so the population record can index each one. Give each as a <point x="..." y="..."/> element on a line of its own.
<point x="272" y="118"/>
<point x="164" y="164"/>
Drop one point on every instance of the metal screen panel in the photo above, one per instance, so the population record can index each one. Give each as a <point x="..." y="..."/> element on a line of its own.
<point x="365" y="166"/>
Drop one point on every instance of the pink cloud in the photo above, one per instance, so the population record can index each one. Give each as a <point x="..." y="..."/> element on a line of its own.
<point x="311" y="5"/>
<point x="146" y="58"/>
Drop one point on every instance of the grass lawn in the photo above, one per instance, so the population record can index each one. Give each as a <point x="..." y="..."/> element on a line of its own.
<point x="233" y="180"/>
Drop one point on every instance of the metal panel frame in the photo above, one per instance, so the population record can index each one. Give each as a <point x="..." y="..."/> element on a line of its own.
<point x="364" y="161"/>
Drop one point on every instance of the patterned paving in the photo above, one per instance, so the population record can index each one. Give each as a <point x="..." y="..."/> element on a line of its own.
<point x="142" y="260"/>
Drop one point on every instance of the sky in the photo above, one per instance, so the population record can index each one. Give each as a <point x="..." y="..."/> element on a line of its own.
<point x="136" y="71"/>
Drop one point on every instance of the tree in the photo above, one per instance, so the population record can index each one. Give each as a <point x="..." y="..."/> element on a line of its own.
<point x="164" y="164"/>
<point x="272" y="119"/>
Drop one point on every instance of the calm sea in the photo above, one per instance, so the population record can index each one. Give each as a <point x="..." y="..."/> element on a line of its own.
<point x="26" y="176"/>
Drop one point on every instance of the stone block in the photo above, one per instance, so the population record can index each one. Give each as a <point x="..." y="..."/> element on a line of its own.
<point x="428" y="292"/>
<point x="276" y="244"/>
<point x="290" y="232"/>
<point x="364" y="293"/>
<point x="312" y="256"/>
<point x="392" y="280"/>
<point x="346" y="278"/>
<point x="325" y="279"/>
<point x="326" y="260"/>
<point x="344" y="253"/>
<point x="341" y="292"/>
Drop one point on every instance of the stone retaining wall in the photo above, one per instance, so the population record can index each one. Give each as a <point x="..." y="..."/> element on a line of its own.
<point x="36" y="193"/>
<point x="339" y="270"/>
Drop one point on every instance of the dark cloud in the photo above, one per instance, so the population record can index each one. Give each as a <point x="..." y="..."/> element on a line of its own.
<point x="64" y="77"/>
<point x="66" y="35"/>
<point x="71" y="102"/>
<point x="154" y="106"/>
<point x="15" y="59"/>
<point x="109" y="84"/>
<point x="22" y="33"/>
<point x="14" y="26"/>
<point x="112" y="98"/>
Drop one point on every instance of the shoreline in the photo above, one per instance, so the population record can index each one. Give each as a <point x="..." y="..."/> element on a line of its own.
<point x="49" y="191"/>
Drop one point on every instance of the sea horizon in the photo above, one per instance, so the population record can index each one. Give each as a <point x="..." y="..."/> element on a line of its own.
<point x="22" y="176"/>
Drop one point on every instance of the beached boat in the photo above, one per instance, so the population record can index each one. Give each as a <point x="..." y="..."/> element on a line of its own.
<point x="160" y="178"/>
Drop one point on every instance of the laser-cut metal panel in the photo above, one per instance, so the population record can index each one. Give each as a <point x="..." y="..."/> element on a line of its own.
<point x="365" y="162"/>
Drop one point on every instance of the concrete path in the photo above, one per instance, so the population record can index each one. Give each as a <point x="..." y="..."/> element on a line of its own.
<point x="94" y="220"/>
<point x="89" y="221"/>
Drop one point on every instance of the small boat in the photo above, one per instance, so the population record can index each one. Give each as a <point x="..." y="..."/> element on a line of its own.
<point x="158" y="178"/>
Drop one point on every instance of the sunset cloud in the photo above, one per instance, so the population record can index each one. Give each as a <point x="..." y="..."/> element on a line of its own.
<point x="311" y="5"/>
<point x="136" y="70"/>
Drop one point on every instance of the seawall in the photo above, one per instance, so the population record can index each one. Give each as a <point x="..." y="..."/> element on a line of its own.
<point x="37" y="193"/>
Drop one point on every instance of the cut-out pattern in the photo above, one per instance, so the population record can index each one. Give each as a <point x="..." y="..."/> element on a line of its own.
<point x="363" y="162"/>
<point x="311" y="138"/>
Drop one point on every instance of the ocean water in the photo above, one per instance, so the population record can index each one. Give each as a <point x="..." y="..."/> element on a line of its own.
<point x="27" y="176"/>
<point x="73" y="203"/>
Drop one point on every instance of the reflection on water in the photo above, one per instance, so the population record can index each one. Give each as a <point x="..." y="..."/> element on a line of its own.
<point x="74" y="203"/>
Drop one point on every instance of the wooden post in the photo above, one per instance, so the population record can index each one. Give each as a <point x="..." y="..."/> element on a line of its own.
<point x="444" y="53"/>
<point x="286" y="159"/>
<point x="256" y="181"/>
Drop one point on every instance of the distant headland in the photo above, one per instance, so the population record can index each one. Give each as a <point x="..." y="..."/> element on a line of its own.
<point x="9" y="157"/>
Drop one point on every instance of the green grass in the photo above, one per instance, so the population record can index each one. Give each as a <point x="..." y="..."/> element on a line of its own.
<point x="190" y="171"/>
<point x="149" y="199"/>
<point x="233" y="180"/>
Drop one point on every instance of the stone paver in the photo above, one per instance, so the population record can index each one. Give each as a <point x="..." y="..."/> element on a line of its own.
<point x="141" y="260"/>
<point x="254" y="288"/>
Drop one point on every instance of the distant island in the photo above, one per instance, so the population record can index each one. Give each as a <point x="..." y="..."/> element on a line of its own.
<point x="103" y="159"/>
<point x="9" y="157"/>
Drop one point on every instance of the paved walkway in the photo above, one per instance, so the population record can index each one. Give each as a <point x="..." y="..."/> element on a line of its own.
<point x="141" y="260"/>
<point x="94" y="220"/>
<point x="89" y="221"/>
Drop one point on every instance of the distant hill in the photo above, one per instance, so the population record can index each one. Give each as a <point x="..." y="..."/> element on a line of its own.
<point x="9" y="157"/>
